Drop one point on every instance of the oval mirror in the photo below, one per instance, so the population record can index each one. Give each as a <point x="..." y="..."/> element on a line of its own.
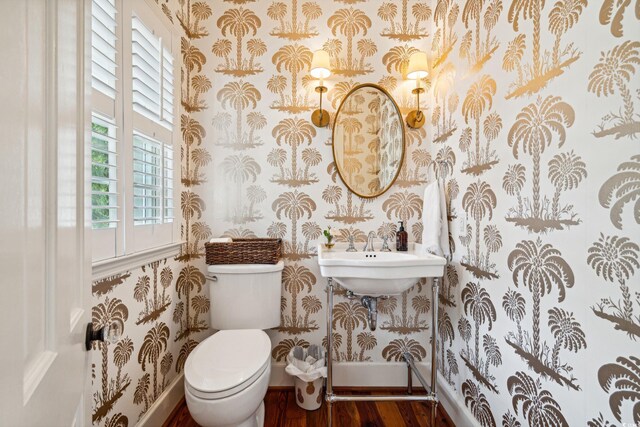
<point x="368" y="140"/>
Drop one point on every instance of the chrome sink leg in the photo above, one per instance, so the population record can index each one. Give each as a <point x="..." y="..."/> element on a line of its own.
<point x="409" y="380"/>
<point x="329" y="390"/>
<point x="434" y="353"/>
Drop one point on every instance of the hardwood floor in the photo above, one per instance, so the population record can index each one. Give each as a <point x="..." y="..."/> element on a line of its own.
<point x="282" y="411"/>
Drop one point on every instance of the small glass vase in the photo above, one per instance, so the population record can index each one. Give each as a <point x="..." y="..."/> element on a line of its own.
<point x="329" y="245"/>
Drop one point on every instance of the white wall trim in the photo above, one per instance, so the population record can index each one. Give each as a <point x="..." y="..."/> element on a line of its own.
<point x="358" y="374"/>
<point x="117" y="265"/>
<point x="452" y="403"/>
<point x="164" y="405"/>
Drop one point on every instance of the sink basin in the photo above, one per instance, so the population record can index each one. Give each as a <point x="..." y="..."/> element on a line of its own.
<point x="378" y="273"/>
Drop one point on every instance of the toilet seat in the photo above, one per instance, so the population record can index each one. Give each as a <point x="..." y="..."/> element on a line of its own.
<point x="227" y="362"/>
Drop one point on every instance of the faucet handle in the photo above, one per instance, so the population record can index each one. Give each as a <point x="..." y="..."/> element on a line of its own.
<point x="385" y="244"/>
<point x="351" y="247"/>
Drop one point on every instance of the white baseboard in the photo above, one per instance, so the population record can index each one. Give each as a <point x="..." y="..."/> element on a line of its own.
<point x="452" y="403"/>
<point x="364" y="374"/>
<point x="164" y="405"/>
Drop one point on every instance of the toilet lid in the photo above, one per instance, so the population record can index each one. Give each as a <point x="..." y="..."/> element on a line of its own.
<point x="227" y="359"/>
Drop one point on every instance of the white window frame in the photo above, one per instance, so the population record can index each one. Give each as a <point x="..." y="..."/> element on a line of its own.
<point x="127" y="240"/>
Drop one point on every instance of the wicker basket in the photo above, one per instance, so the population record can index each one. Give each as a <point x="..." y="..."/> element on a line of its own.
<point x="244" y="251"/>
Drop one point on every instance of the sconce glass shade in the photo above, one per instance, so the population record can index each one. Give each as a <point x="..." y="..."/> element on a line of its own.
<point x="418" y="66"/>
<point x="320" y="65"/>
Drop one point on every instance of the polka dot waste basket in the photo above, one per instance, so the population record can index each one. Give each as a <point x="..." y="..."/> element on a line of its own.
<point x="306" y="365"/>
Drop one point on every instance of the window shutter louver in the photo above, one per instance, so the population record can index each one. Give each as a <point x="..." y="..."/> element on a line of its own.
<point x="152" y="75"/>
<point x="152" y="181"/>
<point x="103" y="47"/>
<point x="104" y="193"/>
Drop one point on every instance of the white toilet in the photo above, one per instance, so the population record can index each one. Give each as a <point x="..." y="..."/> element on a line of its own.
<point x="227" y="375"/>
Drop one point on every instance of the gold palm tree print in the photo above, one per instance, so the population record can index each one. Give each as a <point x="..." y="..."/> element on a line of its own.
<point x="294" y="28"/>
<point x="350" y="23"/>
<point x="621" y="189"/>
<point x="612" y="12"/>
<point x="477" y="56"/>
<point x="479" y="202"/>
<point x="190" y="16"/>
<point x="477" y="304"/>
<point x="154" y="344"/>
<point x="478" y="404"/>
<point x="194" y="83"/>
<point x="404" y="30"/>
<point x="293" y="59"/>
<point x="614" y="72"/>
<point x="112" y="312"/>
<point x="543" y="69"/>
<point x="539" y="407"/>
<point x="349" y="316"/>
<point x="240" y="95"/>
<point x="534" y="130"/>
<point x="479" y="99"/>
<point x="294" y="205"/>
<point x="295" y="132"/>
<point x="616" y="258"/>
<point x="295" y="278"/>
<point x="622" y="381"/>
<point x="239" y="23"/>
<point x="541" y="268"/>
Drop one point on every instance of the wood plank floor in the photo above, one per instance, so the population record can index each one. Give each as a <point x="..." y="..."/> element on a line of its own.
<point x="282" y="411"/>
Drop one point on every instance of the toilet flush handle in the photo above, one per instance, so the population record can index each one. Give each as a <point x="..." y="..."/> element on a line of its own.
<point x="213" y="278"/>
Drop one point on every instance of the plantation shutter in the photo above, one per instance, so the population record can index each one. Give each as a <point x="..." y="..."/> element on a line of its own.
<point x="152" y="107"/>
<point x="104" y="47"/>
<point x="134" y="105"/>
<point x="106" y="129"/>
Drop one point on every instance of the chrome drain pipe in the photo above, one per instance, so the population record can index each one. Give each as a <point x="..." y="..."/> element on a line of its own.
<point x="371" y="304"/>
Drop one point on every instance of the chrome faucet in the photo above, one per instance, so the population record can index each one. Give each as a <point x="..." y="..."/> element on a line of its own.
<point x="369" y="246"/>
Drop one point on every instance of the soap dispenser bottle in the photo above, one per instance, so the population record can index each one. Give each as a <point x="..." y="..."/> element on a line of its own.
<point x="402" y="238"/>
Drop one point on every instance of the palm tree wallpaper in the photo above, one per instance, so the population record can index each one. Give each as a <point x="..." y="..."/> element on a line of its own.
<point x="533" y="126"/>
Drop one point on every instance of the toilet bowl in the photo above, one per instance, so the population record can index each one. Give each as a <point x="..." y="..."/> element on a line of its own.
<point x="226" y="379"/>
<point x="226" y="376"/>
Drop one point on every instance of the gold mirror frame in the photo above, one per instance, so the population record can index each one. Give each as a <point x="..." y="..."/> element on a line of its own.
<point x="333" y="145"/>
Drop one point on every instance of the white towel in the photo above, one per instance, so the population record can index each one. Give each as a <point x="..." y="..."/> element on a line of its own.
<point x="220" y="240"/>
<point x="444" y="222"/>
<point x="435" y="231"/>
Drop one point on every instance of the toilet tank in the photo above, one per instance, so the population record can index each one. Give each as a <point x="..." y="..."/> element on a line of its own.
<point x="245" y="296"/>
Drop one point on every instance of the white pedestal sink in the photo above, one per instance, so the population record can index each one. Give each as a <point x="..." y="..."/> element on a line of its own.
<point x="375" y="274"/>
<point x="378" y="273"/>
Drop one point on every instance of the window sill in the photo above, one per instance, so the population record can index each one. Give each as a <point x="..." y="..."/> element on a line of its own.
<point x="124" y="263"/>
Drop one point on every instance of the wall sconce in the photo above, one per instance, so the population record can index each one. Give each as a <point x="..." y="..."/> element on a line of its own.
<point x="418" y="69"/>
<point x="320" y="69"/>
